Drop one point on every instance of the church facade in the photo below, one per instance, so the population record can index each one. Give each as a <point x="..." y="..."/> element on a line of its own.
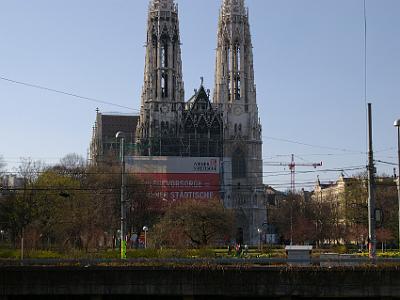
<point x="226" y="126"/>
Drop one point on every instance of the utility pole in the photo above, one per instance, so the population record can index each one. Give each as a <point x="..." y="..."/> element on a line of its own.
<point x="371" y="190"/>
<point x="121" y="137"/>
<point x="397" y="124"/>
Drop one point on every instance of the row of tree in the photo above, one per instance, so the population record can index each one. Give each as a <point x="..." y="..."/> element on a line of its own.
<point x="72" y="205"/>
<point x="337" y="218"/>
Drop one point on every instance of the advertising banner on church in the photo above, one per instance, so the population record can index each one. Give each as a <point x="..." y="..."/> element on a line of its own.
<point x="178" y="178"/>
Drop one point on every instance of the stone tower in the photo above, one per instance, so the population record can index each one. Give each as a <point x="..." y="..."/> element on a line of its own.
<point x="235" y="91"/>
<point x="163" y="90"/>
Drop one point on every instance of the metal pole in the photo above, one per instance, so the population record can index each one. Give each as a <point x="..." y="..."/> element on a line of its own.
<point x="145" y="229"/>
<point x="123" y="217"/>
<point x="291" y="221"/>
<point x="371" y="190"/>
<point x="120" y="135"/>
<point x="292" y="175"/>
<point x="398" y="176"/>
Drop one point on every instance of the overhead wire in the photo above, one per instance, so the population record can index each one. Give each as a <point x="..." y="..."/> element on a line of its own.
<point x="385" y="162"/>
<point x="312" y="145"/>
<point x="271" y="173"/>
<point x="40" y="87"/>
<point x="137" y="110"/>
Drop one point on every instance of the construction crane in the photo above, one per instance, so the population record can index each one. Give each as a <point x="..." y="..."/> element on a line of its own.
<point x="292" y="167"/>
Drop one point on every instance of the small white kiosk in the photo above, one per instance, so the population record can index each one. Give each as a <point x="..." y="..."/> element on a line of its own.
<point x="299" y="255"/>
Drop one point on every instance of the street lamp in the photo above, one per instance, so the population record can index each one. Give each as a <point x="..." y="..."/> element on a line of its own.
<point x="145" y="229"/>
<point x="397" y="124"/>
<point x="121" y="137"/>
<point x="259" y="233"/>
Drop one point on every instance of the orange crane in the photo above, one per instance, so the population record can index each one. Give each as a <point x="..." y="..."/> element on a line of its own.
<point x="292" y="167"/>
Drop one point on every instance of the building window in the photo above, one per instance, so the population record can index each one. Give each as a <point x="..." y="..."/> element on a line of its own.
<point x="228" y="58"/>
<point x="164" y="85"/>
<point x="238" y="164"/>
<point x="173" y="56"/>
<point x="164" y="54"/>
<point x="238" y="86"/>
<point x="237" y="57"/>
<point x="229" y="68"/>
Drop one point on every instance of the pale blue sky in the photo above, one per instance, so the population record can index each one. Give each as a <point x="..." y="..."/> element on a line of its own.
<point x="309" y="64"/>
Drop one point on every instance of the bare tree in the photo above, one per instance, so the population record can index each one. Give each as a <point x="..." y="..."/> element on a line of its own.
<point x="197" y="223"/>
<point x="72" y="161"/>
<point x="30" y="169"/>
<point x="2" y="165"/>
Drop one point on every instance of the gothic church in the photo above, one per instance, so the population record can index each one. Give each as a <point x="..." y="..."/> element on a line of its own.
<point x="226" y="126"/>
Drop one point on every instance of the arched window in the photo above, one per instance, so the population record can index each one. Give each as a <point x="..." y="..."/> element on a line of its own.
<point x="228" y="68"/>
<point x="238" y="164"/>
<point x="238" y="86"/>
<point x="164" y="85"/>
<point x="238" y="57"/>
<point x="173" y="56"/>
<point x="237" y="71"/>
<point x="164" y="52"/>
<point x="228" y="58"/>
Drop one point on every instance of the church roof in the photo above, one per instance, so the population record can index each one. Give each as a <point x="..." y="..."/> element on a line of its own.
<point x="201" y="98"/>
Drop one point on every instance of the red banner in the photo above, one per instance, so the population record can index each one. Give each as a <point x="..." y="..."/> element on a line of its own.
<point x="180" y="186"/>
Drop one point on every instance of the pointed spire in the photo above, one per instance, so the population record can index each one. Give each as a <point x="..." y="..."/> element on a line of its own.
<point x="234" y="62"/>
<point x="163" y="88"/>
<point x="233" y="7"/>
<point x="163" y="62"/>
<point x="162" y="5"/>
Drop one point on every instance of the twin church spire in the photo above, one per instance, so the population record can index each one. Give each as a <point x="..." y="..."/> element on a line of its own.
<point x="227" y="126"/>
<point x="163" y="98"/>
<point x="234" y="75"/>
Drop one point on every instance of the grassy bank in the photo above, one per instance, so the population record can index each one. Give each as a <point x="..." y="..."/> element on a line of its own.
<point x="7" y="253"/>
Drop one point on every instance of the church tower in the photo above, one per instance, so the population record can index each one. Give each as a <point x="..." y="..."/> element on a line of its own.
<point x="163" y="90"/>
<point x="235" y="92"/>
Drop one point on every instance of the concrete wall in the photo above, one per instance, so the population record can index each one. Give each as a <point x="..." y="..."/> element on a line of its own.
<point x="212" y="282"/>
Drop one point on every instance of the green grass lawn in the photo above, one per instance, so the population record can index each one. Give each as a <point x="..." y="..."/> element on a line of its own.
<point x="8" y="253"/>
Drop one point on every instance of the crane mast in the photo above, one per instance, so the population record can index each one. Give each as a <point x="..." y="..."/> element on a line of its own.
<point x="292" y="167"/>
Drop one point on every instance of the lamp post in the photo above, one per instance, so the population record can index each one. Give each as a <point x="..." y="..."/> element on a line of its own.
<point x="145" y="229"/>
<point x="397" y="124"/>
<point x="259" y="234"/>
<point x="371" y="191"/>
<point x="121" y="137"/>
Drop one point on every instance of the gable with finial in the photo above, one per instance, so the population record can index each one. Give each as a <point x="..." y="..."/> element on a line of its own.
<point x="200" y="101"/>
